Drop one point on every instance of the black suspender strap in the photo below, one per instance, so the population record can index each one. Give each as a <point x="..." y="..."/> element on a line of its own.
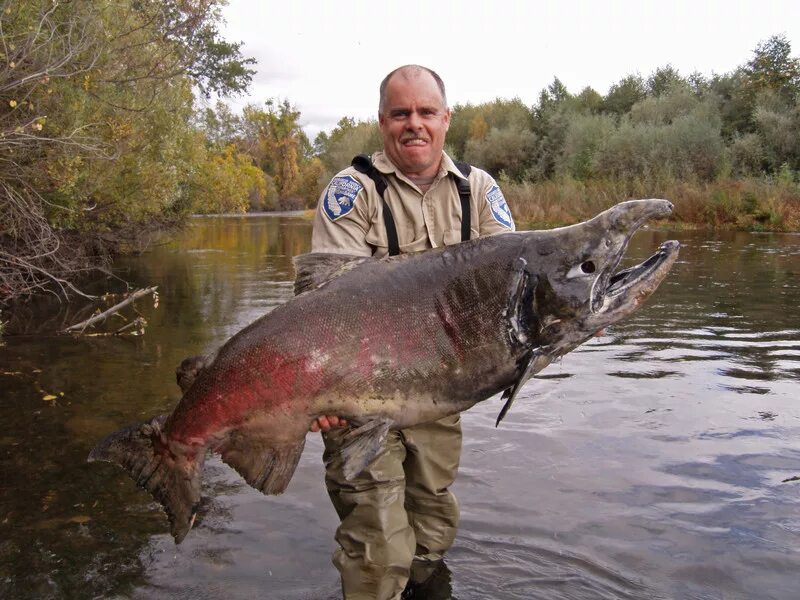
<point x="363" y="164"/>
<point x="464" y="193"/>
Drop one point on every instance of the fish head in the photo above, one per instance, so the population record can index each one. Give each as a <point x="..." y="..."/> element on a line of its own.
<point x="580" y="290"/>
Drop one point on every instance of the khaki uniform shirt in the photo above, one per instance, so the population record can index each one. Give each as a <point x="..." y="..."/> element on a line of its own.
<point x="349" y="218"/>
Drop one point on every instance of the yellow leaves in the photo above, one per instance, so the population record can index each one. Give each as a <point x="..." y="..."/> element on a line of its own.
<point x="87" y="82"/>
<point x="12" y="103"/>
<point x="12" y="65"/>
<point x="50" y="397"/>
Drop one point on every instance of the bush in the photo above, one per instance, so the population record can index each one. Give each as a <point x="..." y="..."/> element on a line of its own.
<point x="747" y="155"/>
<point x="510" y="150"/>
<point x="586" y="137"/>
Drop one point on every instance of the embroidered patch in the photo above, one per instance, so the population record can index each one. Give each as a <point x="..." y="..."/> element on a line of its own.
<point x="340" y="197"/>
<point x="500" y="210"/>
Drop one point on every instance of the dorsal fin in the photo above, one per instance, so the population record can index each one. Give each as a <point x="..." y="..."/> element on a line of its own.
<point x="315" y="268"/>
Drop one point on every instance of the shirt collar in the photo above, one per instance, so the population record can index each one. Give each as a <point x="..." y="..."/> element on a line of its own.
<point x="384" y="165"/>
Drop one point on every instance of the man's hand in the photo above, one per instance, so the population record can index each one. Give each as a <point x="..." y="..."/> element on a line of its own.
<point x="326" y="423"/>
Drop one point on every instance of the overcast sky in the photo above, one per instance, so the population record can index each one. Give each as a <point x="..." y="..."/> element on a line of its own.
<point x="328" y="58"/>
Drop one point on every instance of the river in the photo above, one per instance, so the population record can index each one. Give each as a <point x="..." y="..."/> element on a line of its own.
<point x="649" y="463"/>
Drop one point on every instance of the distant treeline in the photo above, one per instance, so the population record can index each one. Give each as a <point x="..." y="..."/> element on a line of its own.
<point x="725" y="148"/>
<point x="104" y="143"/>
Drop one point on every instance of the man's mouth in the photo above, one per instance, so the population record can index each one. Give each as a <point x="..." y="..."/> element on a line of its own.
<point x="414" y="142"/>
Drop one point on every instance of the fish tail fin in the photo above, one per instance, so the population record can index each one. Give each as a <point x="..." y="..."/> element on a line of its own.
<point x="172" y="480"/>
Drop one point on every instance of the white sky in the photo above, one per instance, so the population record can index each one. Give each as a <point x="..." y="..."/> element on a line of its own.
<point x="328" y="58"/>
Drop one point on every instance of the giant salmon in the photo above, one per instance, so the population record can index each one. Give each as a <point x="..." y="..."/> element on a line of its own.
<point x="386" y="344"/>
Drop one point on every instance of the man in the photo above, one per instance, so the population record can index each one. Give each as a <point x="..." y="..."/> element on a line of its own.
<point x="398" y="517"/>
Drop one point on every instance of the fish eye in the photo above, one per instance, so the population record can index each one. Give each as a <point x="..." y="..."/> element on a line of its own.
<point x="579" y="271"/>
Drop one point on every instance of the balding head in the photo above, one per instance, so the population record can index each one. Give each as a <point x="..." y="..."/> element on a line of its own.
<point x="410" y="72"/>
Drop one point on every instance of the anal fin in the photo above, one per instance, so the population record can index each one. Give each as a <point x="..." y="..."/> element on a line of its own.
<point x="266" y="466"/>
<point x="361" y="445"/>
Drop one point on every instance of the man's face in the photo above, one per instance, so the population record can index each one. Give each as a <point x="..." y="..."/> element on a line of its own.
<point x="414" y="122"/>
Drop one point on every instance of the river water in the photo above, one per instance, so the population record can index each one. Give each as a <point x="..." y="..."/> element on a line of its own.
<point x="649" y="463"/>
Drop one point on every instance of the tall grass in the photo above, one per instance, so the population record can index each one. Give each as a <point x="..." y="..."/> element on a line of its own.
<point x="745" y="204"/>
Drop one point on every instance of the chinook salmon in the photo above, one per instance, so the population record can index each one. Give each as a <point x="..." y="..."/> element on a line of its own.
<point x="386" y="344"/>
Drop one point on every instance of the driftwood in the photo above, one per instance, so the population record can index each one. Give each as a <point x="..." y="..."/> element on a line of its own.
<point x="81" y="327"/>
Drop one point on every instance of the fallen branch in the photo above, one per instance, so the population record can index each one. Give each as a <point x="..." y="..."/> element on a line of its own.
<point x="137" y="324"/>
<point x="81" y="327"/>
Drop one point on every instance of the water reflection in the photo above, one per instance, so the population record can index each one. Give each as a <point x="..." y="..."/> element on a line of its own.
<point x="648" y="464"/>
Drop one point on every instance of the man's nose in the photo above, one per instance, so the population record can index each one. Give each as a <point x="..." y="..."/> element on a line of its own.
<point x="414" y="121"/>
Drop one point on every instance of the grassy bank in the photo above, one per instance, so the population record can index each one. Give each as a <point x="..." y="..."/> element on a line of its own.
<point x="744" y="204"/>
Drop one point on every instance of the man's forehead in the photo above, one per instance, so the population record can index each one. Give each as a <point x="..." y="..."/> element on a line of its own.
<point x="420" y="83"/>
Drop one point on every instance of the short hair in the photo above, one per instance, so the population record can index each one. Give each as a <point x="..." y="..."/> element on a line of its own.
<point x="413" y="69"/>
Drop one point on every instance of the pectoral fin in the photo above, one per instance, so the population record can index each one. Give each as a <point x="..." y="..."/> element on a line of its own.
<point x="361" y="445"/>
<point x="535" y="363"/>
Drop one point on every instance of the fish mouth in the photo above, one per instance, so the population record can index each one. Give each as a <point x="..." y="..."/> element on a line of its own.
<point x="623" y="280"/>
<point x="628" y="288"/>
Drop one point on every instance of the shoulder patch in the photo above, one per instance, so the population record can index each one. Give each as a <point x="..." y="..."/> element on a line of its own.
<point x="500" y="210"/>
<point x="340" y="197"/>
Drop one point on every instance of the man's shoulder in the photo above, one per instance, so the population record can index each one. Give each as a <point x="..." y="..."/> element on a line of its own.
<point x="489" y="195"/>
<point x="351" y="178"/>
<point x="345" y="191"/>
<point x="480" y="180"/>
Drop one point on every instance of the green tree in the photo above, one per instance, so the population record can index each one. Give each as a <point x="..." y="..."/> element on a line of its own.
<point x="509" y="151"/>
<point x="773" y="68"/>
<point x="273" y="136"/>
<point x="349" y="138"/>
<point x="624" y="94"/>
<point x="95" y="109"/>
<point x="665" y="80"/>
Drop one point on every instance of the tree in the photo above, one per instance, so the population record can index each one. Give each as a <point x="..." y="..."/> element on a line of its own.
<point x="665" y="80"/>
<point x="773" y="68"/>
<point x="624" y="94"/>
<point x="346" y="140"/>
<point x="95" y="108"/>
<point x="274" y="138"/>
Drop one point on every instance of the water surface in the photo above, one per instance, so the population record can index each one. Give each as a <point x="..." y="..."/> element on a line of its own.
<point x="650" y="463"/>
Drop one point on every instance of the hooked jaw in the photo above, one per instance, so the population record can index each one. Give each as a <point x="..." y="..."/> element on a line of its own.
<point x="622" y="221"/>
<point x="629" y="288"/>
